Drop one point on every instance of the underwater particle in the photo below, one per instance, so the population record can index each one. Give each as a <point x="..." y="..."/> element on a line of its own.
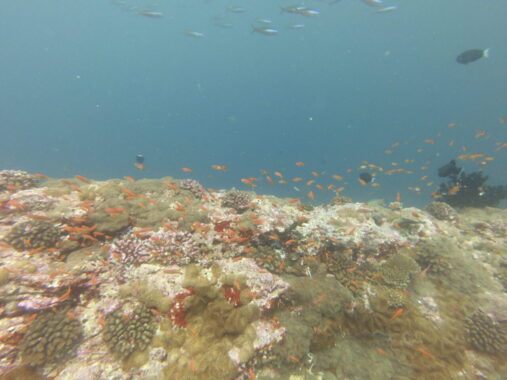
<point x="127" y="330"/>
<point x="193" y="186"/>
<point x="33" y="234"/>
<point x="397" y="270"/>
<point x="472" y="55"/>
<point x="16" y="180"/>
<point x="441" y="211"/>
<point x="51" y="337"/>
<point x="237" y="200"/>
<point x="484" y="334"/>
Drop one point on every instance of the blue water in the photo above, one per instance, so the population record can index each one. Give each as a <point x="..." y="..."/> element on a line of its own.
<point x="87" y="85"/>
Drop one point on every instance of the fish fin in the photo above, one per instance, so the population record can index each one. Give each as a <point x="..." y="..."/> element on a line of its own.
<point x="485" y="53"/>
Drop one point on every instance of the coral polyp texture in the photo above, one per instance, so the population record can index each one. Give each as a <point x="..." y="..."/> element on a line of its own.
<point x="128" y="330"/>
<point x="162" y="279"/>
<point x="33" y="234"/>
<point x="50" y="338"/>
<point x="17" y="180"/>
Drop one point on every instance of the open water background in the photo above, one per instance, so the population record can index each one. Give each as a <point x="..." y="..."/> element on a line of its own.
<point x="87" y="85"/>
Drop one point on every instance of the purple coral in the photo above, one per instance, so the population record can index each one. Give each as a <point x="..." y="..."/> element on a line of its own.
<point x="193" y="186"/>
<point x="169" y="247"/>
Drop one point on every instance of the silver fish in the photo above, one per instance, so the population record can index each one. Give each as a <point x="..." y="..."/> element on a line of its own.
<point x="194" y="34"/>
<point x="149" y="13"/>
<point x="266" y="30"/>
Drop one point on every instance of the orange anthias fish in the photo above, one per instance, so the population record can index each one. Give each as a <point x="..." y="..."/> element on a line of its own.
<point x="453" y="190"/>
<point x="220" y="168"/>
<point x="186" y="170"/>
<point x="397" y="313"/>
<point x="139" y="166"/>
<point x="299" y="163"/>
<point x="311" y="195"/>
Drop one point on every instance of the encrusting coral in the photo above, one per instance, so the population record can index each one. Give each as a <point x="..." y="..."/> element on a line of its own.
<point x="16" y="180"/>
<point x="237" y="200"/>
<point x="33" y="234"/>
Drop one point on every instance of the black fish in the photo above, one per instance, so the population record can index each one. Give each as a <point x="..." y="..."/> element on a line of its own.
<point x="366" y="177"/>
<point x="472" y="55"/>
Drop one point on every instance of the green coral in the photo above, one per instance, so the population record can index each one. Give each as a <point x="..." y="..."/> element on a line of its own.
<point x="51" y="337"/>
<point x="127" y="330"/>
<point x="33" y="234"/>
<point x="396" y="271"/>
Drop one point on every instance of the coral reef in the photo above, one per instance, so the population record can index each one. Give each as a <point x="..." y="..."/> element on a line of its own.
<point x="166" y="280"/>
<point x="193" y="186"/>
<point x="441" y="211"/>
<point x="17" y="180"/>
<point x="128" y="329"/>
<point x="397" y="270"/>
<point x="51" y="337"/>
<point x="169" y="247"/>
<point x="32" y="235"/>
<point x="484" y="334"/>
<point x="237" y="200"/>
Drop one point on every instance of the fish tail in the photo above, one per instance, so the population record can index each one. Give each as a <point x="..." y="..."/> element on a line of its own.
<point x="485" y="53"/>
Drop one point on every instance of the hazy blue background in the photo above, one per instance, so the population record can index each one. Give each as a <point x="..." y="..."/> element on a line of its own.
<point x="86" y="85"/>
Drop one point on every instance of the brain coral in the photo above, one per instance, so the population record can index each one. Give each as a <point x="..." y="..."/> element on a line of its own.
<point x="484" y="334"/>
<point x="127" y="330"/>
<point x="52" y="336"/>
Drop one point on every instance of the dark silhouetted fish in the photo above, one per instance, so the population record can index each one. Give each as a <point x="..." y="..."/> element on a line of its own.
<point x="366" y="177"/>
<point x="472" y="55"/>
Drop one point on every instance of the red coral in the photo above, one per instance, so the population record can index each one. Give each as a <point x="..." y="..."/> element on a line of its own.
<point x="178" y="312"/>
<point x="232" y="294"/>
<point x="221" y="226"/>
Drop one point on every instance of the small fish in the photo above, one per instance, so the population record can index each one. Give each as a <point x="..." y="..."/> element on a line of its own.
<point x="234" y="9"/>
<point x="139" y="166"/>
<point x="266" y="30"/>
<point x="308" y="12"/>
<point x="294" y="8"/>
<point x="387" y="9"/>
<point x="296" y="26"/>
<point x="149" y="13"/>
<point x="220" y="168"/>
<point x="300" y="163"/>
<point x="311" y="195"/>
<point x="265" y="21"/>
<point x="397" y="313"/>
<point x="193" y="34"/>
<point x="472" y="55"/>
<point x="453" y="190"/>
<point x="186" y="170"/>
<point x="82" y="179"/>
<point x="373" y="3"/>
